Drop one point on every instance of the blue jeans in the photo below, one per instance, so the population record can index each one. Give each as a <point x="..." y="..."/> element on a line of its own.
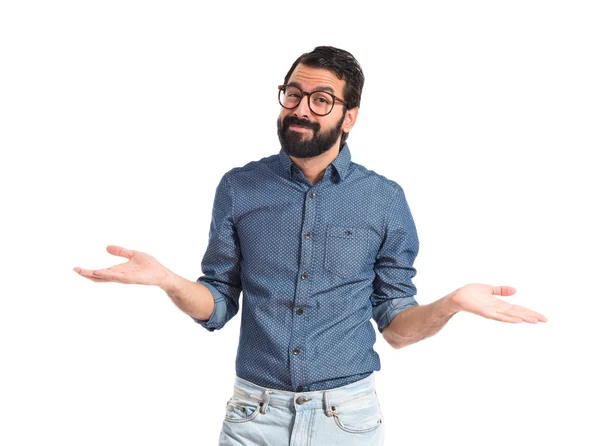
<point x="258" y="416"/>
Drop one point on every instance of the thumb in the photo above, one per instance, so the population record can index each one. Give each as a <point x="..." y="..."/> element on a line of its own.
<point x="504" y="290"/>
<point x="119" y="251"/>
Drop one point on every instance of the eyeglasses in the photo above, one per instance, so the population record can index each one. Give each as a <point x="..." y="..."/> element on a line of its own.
<point x="320" y="102"/>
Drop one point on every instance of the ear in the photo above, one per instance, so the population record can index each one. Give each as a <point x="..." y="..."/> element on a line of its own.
<point x="350" y="119"/>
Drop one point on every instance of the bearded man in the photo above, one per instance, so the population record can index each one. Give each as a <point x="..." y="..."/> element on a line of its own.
<point x="319" y="246"/>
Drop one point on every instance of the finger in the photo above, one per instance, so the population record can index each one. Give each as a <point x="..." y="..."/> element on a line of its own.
<point x="107" y="274"/>
<point x="119" y="251"/>
<point x="96" y="279"/>
<point x="104" y="274"/>
<point x="84" y="272"/>
<point x="534" y="314"/>
<point x="87" y="274"/>
<point x="511" y="319"/>
<point x="502" y="317"/>
<point x="527" y="314"/>
<point x="530" y="319"/>
<point x="504" y="290"/>
<point x="533" y="318"/>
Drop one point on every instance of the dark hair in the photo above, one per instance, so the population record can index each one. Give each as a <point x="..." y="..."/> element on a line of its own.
<point x="343" y="64"/>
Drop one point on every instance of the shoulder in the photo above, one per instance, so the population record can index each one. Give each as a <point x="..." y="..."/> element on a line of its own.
<point x="378" y="183"/>
<point x="252" y="168"/>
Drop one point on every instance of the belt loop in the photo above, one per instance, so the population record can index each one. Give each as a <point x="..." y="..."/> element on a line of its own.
<point x="328" y="410"/>
<point x="265" y="402"/>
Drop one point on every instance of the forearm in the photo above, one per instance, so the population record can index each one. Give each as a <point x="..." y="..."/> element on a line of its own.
<point x="420" y="322"/>
<point x="193" y="298"/>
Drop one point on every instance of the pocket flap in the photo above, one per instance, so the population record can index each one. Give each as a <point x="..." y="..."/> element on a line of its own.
<point x="346" y="232"/>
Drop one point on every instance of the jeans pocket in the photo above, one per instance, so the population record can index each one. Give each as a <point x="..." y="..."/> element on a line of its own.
<point x="360" y="415"/>
<point x="347" y="250"/>
<point x="241" y="410"/>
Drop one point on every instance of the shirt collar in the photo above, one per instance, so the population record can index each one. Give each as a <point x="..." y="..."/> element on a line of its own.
<point x="340" y="164"/>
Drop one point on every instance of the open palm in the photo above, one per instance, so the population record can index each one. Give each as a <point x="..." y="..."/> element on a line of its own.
<point x="479" y="298"/>
<point x="140" y="268"/>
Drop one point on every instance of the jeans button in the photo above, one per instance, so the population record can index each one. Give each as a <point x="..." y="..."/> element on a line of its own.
<point x="301" y="400"/>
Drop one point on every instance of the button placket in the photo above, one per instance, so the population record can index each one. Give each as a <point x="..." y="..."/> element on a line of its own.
<point x="298" y="335"/>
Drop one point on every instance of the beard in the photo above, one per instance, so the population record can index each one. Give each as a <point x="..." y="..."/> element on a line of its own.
<point x="300" y="144"/>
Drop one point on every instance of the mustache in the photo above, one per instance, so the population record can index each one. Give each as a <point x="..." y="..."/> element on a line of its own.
<point x="293" y="120"/>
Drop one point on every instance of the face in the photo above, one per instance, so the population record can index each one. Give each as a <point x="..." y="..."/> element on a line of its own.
<point x="302" y="133"/>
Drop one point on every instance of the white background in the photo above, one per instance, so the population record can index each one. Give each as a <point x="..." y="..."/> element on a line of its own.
<point x="118" y="118"/>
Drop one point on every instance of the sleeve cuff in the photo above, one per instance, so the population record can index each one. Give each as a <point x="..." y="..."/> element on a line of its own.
<point x="386" y="311"/>
<point x="217" y="318"/>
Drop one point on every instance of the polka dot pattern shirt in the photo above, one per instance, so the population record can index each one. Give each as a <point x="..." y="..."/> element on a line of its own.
<point x="314" y="264"/>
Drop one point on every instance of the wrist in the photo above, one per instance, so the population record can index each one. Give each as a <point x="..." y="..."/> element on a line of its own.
<point x="451" y="303"/>
<point x="169" y="281"/>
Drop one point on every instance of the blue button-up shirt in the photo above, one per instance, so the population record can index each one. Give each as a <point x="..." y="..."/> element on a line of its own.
<point x="314" y="263"/>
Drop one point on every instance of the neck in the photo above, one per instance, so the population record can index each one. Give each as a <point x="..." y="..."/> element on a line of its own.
<point x="313" y="168"/>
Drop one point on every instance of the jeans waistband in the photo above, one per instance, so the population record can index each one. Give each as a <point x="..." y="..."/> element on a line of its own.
<point x="318" y="399"/>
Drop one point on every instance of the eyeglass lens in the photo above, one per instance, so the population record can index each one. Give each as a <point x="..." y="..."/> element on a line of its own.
<point x="319" y="102"/>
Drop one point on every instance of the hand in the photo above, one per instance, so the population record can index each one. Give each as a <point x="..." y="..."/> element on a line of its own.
<point x="478" y="298"/>
<point x="141" y="268"/>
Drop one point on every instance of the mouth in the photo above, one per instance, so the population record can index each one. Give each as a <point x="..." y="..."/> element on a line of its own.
<point x="298" y="128"/>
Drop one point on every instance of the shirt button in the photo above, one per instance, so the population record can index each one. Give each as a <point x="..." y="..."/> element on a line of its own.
<point x="304" y="276"/>
<point x="313" y="195"/>
<point x="308" y="235"/>
<point x="299" y="389"/>
<point x="299" y="311"/>
<point x="348" y="232"/>
<point x="296" y="351"/>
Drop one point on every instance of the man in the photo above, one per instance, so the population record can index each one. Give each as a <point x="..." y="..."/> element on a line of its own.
<point x="319" y="245"/>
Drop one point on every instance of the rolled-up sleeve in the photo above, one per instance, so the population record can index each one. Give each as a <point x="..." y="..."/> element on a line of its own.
<point x="393" y="288"/>
<point x="221" y="262"/>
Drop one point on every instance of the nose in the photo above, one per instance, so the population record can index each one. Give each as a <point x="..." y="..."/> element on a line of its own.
<point x="303" y="110"/>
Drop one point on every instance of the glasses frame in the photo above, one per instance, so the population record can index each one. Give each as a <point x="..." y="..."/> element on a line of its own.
<point x="305" y="93"/>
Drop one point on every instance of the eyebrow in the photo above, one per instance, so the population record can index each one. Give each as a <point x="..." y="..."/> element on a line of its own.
<point x="319" y="88"/>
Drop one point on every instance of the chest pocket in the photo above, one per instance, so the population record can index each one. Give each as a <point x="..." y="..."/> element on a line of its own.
<point x="347" y="251"/>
